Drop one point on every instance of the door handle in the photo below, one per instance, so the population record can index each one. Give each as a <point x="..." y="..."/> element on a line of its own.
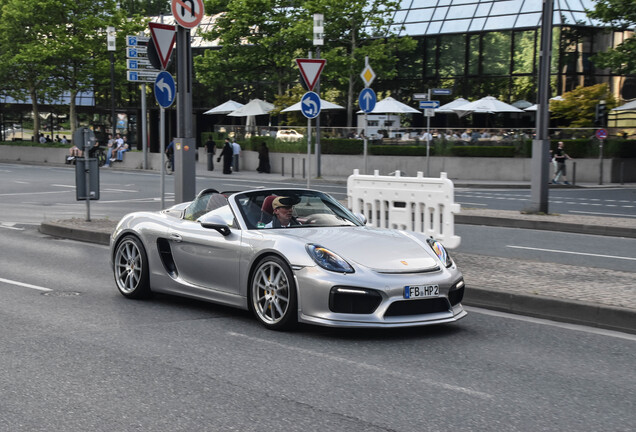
<point x="176" y="237"/>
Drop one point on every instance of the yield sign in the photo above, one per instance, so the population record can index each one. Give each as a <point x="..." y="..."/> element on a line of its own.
<point x="310" y="70"/>
<point x="163" y="36"/>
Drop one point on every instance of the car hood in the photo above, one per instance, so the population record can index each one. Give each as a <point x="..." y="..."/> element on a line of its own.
<point x="385" y="251"/>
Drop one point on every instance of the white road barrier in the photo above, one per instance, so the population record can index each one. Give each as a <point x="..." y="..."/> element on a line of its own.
<point x="420" y="204"/>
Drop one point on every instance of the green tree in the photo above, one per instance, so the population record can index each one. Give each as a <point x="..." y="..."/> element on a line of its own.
<point x="25" y="66"/>
<point x="79" y="52"/>
<point x="51" y="47"/>
<point x="577" y="109"/>
<point x="259" y="40"/>
<point x="621" y="16"/>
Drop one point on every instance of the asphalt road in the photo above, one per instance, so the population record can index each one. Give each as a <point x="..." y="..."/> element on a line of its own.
<point x="611" y="202"/>
<point x="78" y="356"/>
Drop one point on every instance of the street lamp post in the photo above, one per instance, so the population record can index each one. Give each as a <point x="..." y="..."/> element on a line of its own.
<point x="111" y="41"/>
<point x="318" y="42"/>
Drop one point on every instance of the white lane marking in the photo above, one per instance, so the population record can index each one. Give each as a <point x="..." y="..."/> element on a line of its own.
<point x="571" y="253"/>
<point x="25" y="285"/>
<point x="469" y="203"/>
<point x="603" y="214"/>
<point x="34" y="193"/>
<point x="20" y="182"/>
<point x="9" y="225"/>
<point x="375" y="369"/>
<point x="543" y="321"/>
<point x="64" y="186"/>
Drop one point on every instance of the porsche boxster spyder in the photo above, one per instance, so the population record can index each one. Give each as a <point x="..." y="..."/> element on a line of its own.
<point x="321" y="265"/>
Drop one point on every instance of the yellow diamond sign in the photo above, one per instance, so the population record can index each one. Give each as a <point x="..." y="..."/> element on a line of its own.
<point x="367" y="75"/>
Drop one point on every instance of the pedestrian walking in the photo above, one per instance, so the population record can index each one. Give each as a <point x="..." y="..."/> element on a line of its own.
<point x="560" y="156"/>
<point x="227" y="155"/>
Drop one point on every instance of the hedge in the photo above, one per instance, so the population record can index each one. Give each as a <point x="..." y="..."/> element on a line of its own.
<point x="483" y="151"/>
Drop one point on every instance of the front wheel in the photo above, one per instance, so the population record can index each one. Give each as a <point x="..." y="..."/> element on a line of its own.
<point x="273" y="294"/>
<point x="131" y="268"/>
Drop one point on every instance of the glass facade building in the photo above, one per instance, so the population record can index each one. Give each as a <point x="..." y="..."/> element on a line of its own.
<point x="491" y="47"/>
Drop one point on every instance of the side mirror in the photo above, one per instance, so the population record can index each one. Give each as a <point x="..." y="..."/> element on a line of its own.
<point x="215" y="222"/>
<point x="361" y="217"/>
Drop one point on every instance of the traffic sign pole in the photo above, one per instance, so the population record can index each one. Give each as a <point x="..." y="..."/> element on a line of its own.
<point x="428" y="141"/>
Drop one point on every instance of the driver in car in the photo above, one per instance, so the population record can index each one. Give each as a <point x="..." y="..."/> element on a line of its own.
<point x="283" y="209"/>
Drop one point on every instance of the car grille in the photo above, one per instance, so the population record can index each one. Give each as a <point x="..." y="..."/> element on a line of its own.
<point x="353" y="300"/>
<point x="418" y="307"/>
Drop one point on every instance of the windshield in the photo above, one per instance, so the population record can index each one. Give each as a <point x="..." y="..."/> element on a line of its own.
<point x="292" y="208"/>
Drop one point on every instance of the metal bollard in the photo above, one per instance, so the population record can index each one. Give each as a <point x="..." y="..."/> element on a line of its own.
<point x="282" y="167"/>
<point x="573" y="173"/>
<point x="303" y="168"/>
<point x="292" y="168"/>
<point x="622" y="173"/>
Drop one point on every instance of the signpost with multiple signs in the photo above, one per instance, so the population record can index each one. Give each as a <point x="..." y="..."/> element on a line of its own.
<point x="310" y="105"/>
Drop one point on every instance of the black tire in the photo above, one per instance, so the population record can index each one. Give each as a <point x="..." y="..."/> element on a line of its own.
<point x="131" y="268"/>
<point x="273" y="294"/>
<point x="169" y="167"/>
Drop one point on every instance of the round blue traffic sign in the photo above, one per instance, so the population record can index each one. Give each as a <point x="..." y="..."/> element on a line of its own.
<point x="165" y="89"/>
<point x="367" y="100"/>
<point x="310" y="105"/>
<point x="601" y="133"/>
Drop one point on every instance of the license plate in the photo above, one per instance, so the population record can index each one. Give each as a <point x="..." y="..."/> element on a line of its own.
<point x="419" y="291"/>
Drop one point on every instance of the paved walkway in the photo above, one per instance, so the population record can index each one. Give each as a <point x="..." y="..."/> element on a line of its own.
<point x="583" y="295"/>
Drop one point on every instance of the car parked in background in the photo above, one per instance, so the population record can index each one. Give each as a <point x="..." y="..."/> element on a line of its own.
<point x="288" y="135"/>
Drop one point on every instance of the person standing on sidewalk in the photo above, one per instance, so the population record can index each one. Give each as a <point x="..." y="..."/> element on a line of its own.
<point x="226" y="154"/>
<point x="236" y="151"/>
<point x="560" y="156"/>
<point x="210" y="147"/>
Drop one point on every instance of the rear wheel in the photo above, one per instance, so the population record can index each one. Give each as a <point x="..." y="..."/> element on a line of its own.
<point x="273" y="294"/>
<point x="131" y="268"/>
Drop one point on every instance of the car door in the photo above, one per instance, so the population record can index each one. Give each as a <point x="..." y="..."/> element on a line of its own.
<point x="206" y="258"/>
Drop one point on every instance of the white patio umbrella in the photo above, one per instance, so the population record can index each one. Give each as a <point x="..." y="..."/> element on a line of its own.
<point x="250" y="110"/>
<point x="534" y="107"/>
<point x="521" y="104"/>
<point x="253" y="108"/>
<point x="324" y="105"/>
<point x="448" y="108"/>
<point x="488" y="105"/>
<point x="389" y="105"/>
<point x="628" y="106"/>
<point x="225" y="108"/>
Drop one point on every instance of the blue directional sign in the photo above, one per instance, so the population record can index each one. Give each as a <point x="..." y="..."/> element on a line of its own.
<point x="441" y="92"/>
<point x="367" y="100"/>
<point x="165" y="89"/>
<point x="310" y="105"/>
<point x="429" y="104"/>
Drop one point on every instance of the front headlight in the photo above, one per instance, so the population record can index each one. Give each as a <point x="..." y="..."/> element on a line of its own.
<point x="440" y="251"/>
<point x="328" y="259"/>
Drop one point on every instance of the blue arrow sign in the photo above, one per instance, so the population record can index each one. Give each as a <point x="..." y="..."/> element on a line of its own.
<point x="367" y="100"/>
<point x="429" y="104"/>
<point x="165" y="89"/>
<point x="310" y="105"/>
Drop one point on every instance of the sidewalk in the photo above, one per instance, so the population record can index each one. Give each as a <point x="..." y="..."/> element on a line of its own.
<point x="580" y="295"/>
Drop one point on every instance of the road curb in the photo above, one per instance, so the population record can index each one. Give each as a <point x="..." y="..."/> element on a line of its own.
<point x="570" y="311"/>
<point x="611" y="231"/>
<point x="55" y="230"/>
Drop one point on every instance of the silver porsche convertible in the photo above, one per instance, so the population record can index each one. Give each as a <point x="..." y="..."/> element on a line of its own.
<point x="288" y="255"/>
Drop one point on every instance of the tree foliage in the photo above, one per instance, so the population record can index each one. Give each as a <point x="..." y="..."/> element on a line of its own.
<point x="260" y="39"/>
<point x="577" y="109"/>
<point x="620" y="15"/>
<point x="52" y="47"/>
